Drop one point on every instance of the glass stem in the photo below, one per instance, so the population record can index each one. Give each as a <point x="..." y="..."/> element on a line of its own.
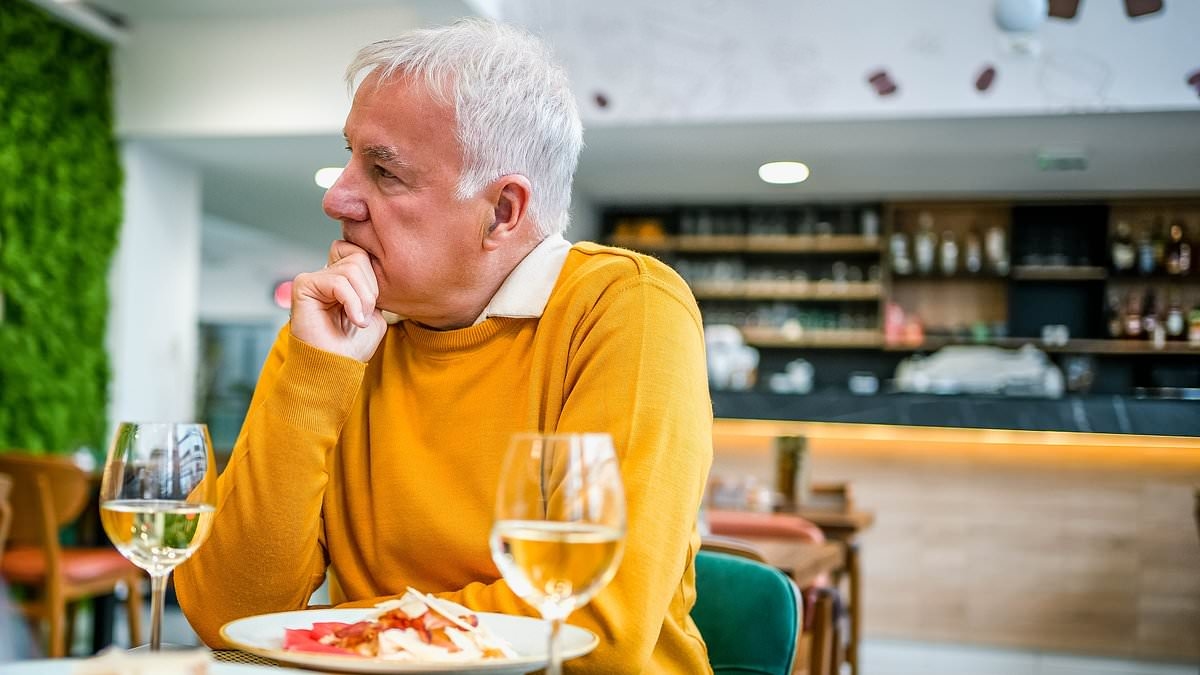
<point x="554" y="655"/>
<point x="158" y="595"/>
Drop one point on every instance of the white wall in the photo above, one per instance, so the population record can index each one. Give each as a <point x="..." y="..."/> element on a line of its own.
<point x="241" y="266"/>
<point x="683" y="60"/>
<point x="266" y="76"/>
<point x="585" y="219"/>
<point x="152" y="336"/>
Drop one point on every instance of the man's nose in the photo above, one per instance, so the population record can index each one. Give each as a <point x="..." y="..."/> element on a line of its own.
<point x="342" y="201"/>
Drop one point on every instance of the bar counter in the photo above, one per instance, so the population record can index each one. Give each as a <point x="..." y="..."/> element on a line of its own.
<point x="1061" y="541"/>
<point x="1111" y="413"/>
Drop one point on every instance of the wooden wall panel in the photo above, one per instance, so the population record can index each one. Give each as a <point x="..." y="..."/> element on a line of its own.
<point x="1071" y="542"/>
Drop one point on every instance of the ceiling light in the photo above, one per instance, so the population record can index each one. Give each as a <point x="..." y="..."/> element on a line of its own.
<point x="782" y="173"/>
<point x="328" y="176"/>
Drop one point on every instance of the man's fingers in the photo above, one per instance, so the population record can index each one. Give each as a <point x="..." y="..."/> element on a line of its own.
<point x="328" y="288"/>
<point x="352" y="304"/>
<point x="363" y="283"/>
<point x="343" y="254"/>
<point x="361" y="276"/>
<point x="341" y="248"/>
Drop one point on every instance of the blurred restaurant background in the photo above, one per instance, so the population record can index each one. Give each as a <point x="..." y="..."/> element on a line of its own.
<point x="962" y="352"/>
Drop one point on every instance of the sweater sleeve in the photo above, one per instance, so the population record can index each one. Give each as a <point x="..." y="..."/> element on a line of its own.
<point x="266" y="552"/>
<point x="637" y="370"/>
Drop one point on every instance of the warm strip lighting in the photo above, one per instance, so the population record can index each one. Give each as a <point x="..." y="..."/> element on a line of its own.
<point x="782" y="173"/>
<point x="328" y="176"/>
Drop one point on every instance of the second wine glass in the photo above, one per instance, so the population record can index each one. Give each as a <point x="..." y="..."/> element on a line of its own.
<point x="158" y="497"/>
<point x="559" y="530"/>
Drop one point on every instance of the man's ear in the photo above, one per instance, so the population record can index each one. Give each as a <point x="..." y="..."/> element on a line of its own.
<point x="510" y="210"/>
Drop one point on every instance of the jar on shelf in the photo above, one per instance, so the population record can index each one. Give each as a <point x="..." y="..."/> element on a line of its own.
<point x="996" y="247"/>
<point x="949" y="253"/>
<point x="924" y="243"/>
<point x="1123" y="251"/>
<point x="898" y="250"/>
<point x="869" y="223"/>
<point x="973" y="252"/>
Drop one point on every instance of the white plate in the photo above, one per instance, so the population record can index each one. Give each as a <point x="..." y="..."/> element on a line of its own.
<point x="67" y="667"/>
<point x="263" y="635"/>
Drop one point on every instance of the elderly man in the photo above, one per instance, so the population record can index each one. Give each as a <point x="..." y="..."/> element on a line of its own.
<point x="372" y="447"/>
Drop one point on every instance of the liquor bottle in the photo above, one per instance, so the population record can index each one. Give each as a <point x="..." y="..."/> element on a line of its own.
<point x="1158" y="243"/>
<point x="1179" y="253"/>
<point x="924" y="243"/>
<point x="973" y="256"/>
<point x="949" y="253"/>
<point x="1175" y="323"/>
<point x="1194" y="326"/>
<point x="1123" y="253"/>
<point x="1133" y="316"/>
<point x="1145" y="253"/>
<point x="1149" y="315"/>
<point x="1113" y="316"/>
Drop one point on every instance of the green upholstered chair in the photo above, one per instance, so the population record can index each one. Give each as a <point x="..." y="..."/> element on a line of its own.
<point x="748" y="613"/>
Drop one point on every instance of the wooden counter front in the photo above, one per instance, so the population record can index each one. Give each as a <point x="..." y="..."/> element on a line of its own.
<point x="1041" y="540"/>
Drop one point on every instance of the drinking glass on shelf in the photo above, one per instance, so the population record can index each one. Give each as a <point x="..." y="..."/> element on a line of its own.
<point x="559" y="527"/>
<point x="158" y="497"/>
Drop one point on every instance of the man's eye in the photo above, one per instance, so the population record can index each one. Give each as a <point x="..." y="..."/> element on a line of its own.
<point x="383" y="173"/>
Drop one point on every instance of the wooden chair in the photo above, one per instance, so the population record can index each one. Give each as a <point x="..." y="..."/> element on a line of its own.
<point x="48" y="493"/>
<point x="5" y="510"/>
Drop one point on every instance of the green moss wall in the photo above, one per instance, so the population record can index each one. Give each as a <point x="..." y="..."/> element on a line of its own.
<point x="60" y="209"/>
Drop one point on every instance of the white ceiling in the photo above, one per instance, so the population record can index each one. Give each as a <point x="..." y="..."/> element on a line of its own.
<point x="267" y="182"/>
<point x="139" y="10"/>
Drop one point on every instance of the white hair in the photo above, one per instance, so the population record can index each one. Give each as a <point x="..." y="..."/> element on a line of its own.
<point x="513" y="105"/>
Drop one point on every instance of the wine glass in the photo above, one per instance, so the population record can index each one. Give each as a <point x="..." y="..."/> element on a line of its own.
<point x="560" y="524"/>
<point x="158" y="497"/>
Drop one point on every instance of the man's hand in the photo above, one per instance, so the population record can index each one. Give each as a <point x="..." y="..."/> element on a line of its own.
<point x="334" y="308"/>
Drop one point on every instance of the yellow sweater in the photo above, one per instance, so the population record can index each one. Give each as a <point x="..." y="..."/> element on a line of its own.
<point x="386" y="472"/>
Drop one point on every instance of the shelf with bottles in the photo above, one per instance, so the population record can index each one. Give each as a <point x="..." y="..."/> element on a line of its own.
<point x="1154" y="239"/>
<point x="948" y="240"/>
<point x="1059" y="273"/>
<point x="783" y="324"/>
<point x="766" y="244"/>
<point x="812" y="229"/>
<point x="1154" y="313"/>
<point x="1071" y="346"/>
<point x="784" y="278"/>
<point x="793" y="337"/>
<point x="818" y="291"/>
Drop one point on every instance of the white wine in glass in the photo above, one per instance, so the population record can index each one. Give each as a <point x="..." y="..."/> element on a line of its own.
<point x="560" y="524"/>
<point x="158" y="497"/>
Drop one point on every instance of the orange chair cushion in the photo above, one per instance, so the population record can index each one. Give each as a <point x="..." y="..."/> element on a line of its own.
<point x="27" y="564"/>
<point x="752" y="524"/>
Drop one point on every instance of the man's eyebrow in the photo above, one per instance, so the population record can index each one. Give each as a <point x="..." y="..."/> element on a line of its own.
<point x="383" y="154"/>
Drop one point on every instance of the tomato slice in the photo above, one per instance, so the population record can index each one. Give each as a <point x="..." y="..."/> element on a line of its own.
<point x="301" y="640"/>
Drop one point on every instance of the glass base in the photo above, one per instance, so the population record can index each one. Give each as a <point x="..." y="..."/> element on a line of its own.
<point x="166" y="647"/>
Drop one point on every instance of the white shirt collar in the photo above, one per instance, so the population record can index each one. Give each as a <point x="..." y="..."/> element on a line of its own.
<point x="527" y="289"/>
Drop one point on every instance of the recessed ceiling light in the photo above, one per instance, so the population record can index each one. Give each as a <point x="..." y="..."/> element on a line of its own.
<point x="328" y="176"/>
<point x="782" y="173"/>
